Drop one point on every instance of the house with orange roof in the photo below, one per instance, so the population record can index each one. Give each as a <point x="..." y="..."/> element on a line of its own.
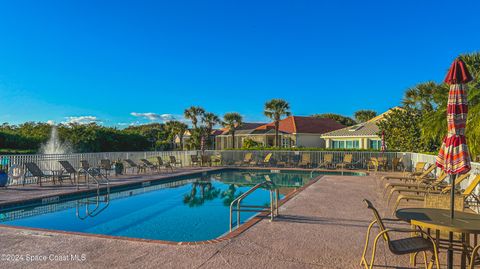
<point x="294" y="131"/>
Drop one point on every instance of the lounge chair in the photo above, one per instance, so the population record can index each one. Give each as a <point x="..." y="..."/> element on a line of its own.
<point x="216" y="159"/>
<point x="175" y="162"/>
<point x="194" y="160"/>
<point x="418" y="170"/>
<point x="37" y="173"/>
<point x="106" y="165"/>
<point x="305" y="161"/>
<point x="421" y="242"/>
<point x="161" y="163"/>
<point x="132" y="165"/>
<point x="295" y="160"/>
<point x="426" y="175"/>
<point x="420" y="187"/>
<point x="466" y="194"/>
<point x="148" y="164"/>
<point x="267" y="159"/>
<point x="283" y="162"/>
<point x="347" y="162"/>
<point x="70" y="170"/>
<point x="206" y="160"/>
<point x="327" y="161"/>
<point x="247" y="159"/>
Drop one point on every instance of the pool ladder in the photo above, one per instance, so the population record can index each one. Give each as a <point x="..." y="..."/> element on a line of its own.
<point x="98" y="179"/>
<point x="99" y="206"/>
<point x="100" y="202"/>
<point x="236" y="205"/>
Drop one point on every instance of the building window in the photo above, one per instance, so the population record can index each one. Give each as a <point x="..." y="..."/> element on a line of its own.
<point x="286" y="142"/>
<point x="345" y="144"/>
<point x="376" y="144"/>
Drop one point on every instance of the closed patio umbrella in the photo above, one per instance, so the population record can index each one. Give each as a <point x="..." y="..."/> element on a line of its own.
<point x="454" y="157"/>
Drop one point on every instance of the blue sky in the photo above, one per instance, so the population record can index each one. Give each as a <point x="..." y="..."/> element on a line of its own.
<point x="104" y="60"/>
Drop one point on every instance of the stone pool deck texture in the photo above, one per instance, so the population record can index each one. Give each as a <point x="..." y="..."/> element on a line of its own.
<point x="321" y="227"/>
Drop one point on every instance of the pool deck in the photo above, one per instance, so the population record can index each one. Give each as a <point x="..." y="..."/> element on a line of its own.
<point x="321" y="227"/>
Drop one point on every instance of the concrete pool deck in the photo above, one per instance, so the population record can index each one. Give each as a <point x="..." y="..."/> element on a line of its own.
<point x="321" y="227"/>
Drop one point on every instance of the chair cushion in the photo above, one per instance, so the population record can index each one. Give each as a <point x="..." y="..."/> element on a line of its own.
<point x="410" y="245"/>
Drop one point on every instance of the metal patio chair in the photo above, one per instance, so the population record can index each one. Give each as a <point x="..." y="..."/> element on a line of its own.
<point x="37" y="173"/>
<point x="421" y="242"/>
<point x="175" y="162"/>
<point x="148" y="164"/>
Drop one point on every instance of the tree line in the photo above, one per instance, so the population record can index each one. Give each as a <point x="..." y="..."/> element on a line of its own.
<point x="28" y="137"/>
<point x="421" y="124"/>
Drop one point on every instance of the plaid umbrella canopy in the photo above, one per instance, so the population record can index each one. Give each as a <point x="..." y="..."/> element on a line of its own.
<point x="454" y="157"/>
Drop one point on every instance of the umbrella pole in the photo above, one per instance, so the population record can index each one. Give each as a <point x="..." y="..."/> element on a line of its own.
<point x="452" y="216"/>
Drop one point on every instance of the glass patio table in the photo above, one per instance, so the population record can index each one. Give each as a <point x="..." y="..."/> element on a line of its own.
<point x="439" y="220"/>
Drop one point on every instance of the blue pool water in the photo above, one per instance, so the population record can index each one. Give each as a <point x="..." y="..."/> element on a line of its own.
<point x="190" y="208"/>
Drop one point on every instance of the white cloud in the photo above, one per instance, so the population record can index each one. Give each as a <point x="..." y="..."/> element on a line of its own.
<point x="154" y="116"/>
<point x="82" y="120"/>
<point x="50" y="122"/>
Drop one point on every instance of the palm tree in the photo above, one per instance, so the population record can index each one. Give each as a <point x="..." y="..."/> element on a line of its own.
<point x="421" y="96"/>
<point x="364" y="115"/>
<point x="193" y="113"/>
<point x="209" y="120"/>
<point x="232" y="121"/>
<point x="275" y="109"/>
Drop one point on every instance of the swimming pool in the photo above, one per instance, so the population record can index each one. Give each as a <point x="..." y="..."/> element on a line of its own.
<point x="183" y="209"/>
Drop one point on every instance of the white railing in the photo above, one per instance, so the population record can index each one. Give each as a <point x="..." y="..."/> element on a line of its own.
<point x="48" y="162"/>
<point x="228" y="157"/>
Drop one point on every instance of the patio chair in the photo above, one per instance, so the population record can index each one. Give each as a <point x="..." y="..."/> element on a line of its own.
<point x="175" y="162"/>
<point x="382" y="163"/>
<point x="347" y="162"/>
<point x="132" y="165"/>
<point x="148" y="164"/>
<point x="466" y="194"/>
<point x="37" y="173"/>
<point x="194" y="160"/>
<point x="305" y="161"/>
<point x="473" y="257"/>
<point x="421" y="242"/>
<point x="70" y="170"/>
<point x="106" y="165"/>
<point x="161" y="163"/>
<point x="397" y="164"/>
<point x="327" y="161"/>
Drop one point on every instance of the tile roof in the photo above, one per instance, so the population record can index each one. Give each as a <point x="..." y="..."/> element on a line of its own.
<point x="244" y="128"/>
<point x="368" y="128"/>
<point x="304" y="125"/>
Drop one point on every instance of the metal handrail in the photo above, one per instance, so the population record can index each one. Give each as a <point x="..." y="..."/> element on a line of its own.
<point x="97" y="210"/>
<point x="96" y="175"/>
<point x="274" y="196"/>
